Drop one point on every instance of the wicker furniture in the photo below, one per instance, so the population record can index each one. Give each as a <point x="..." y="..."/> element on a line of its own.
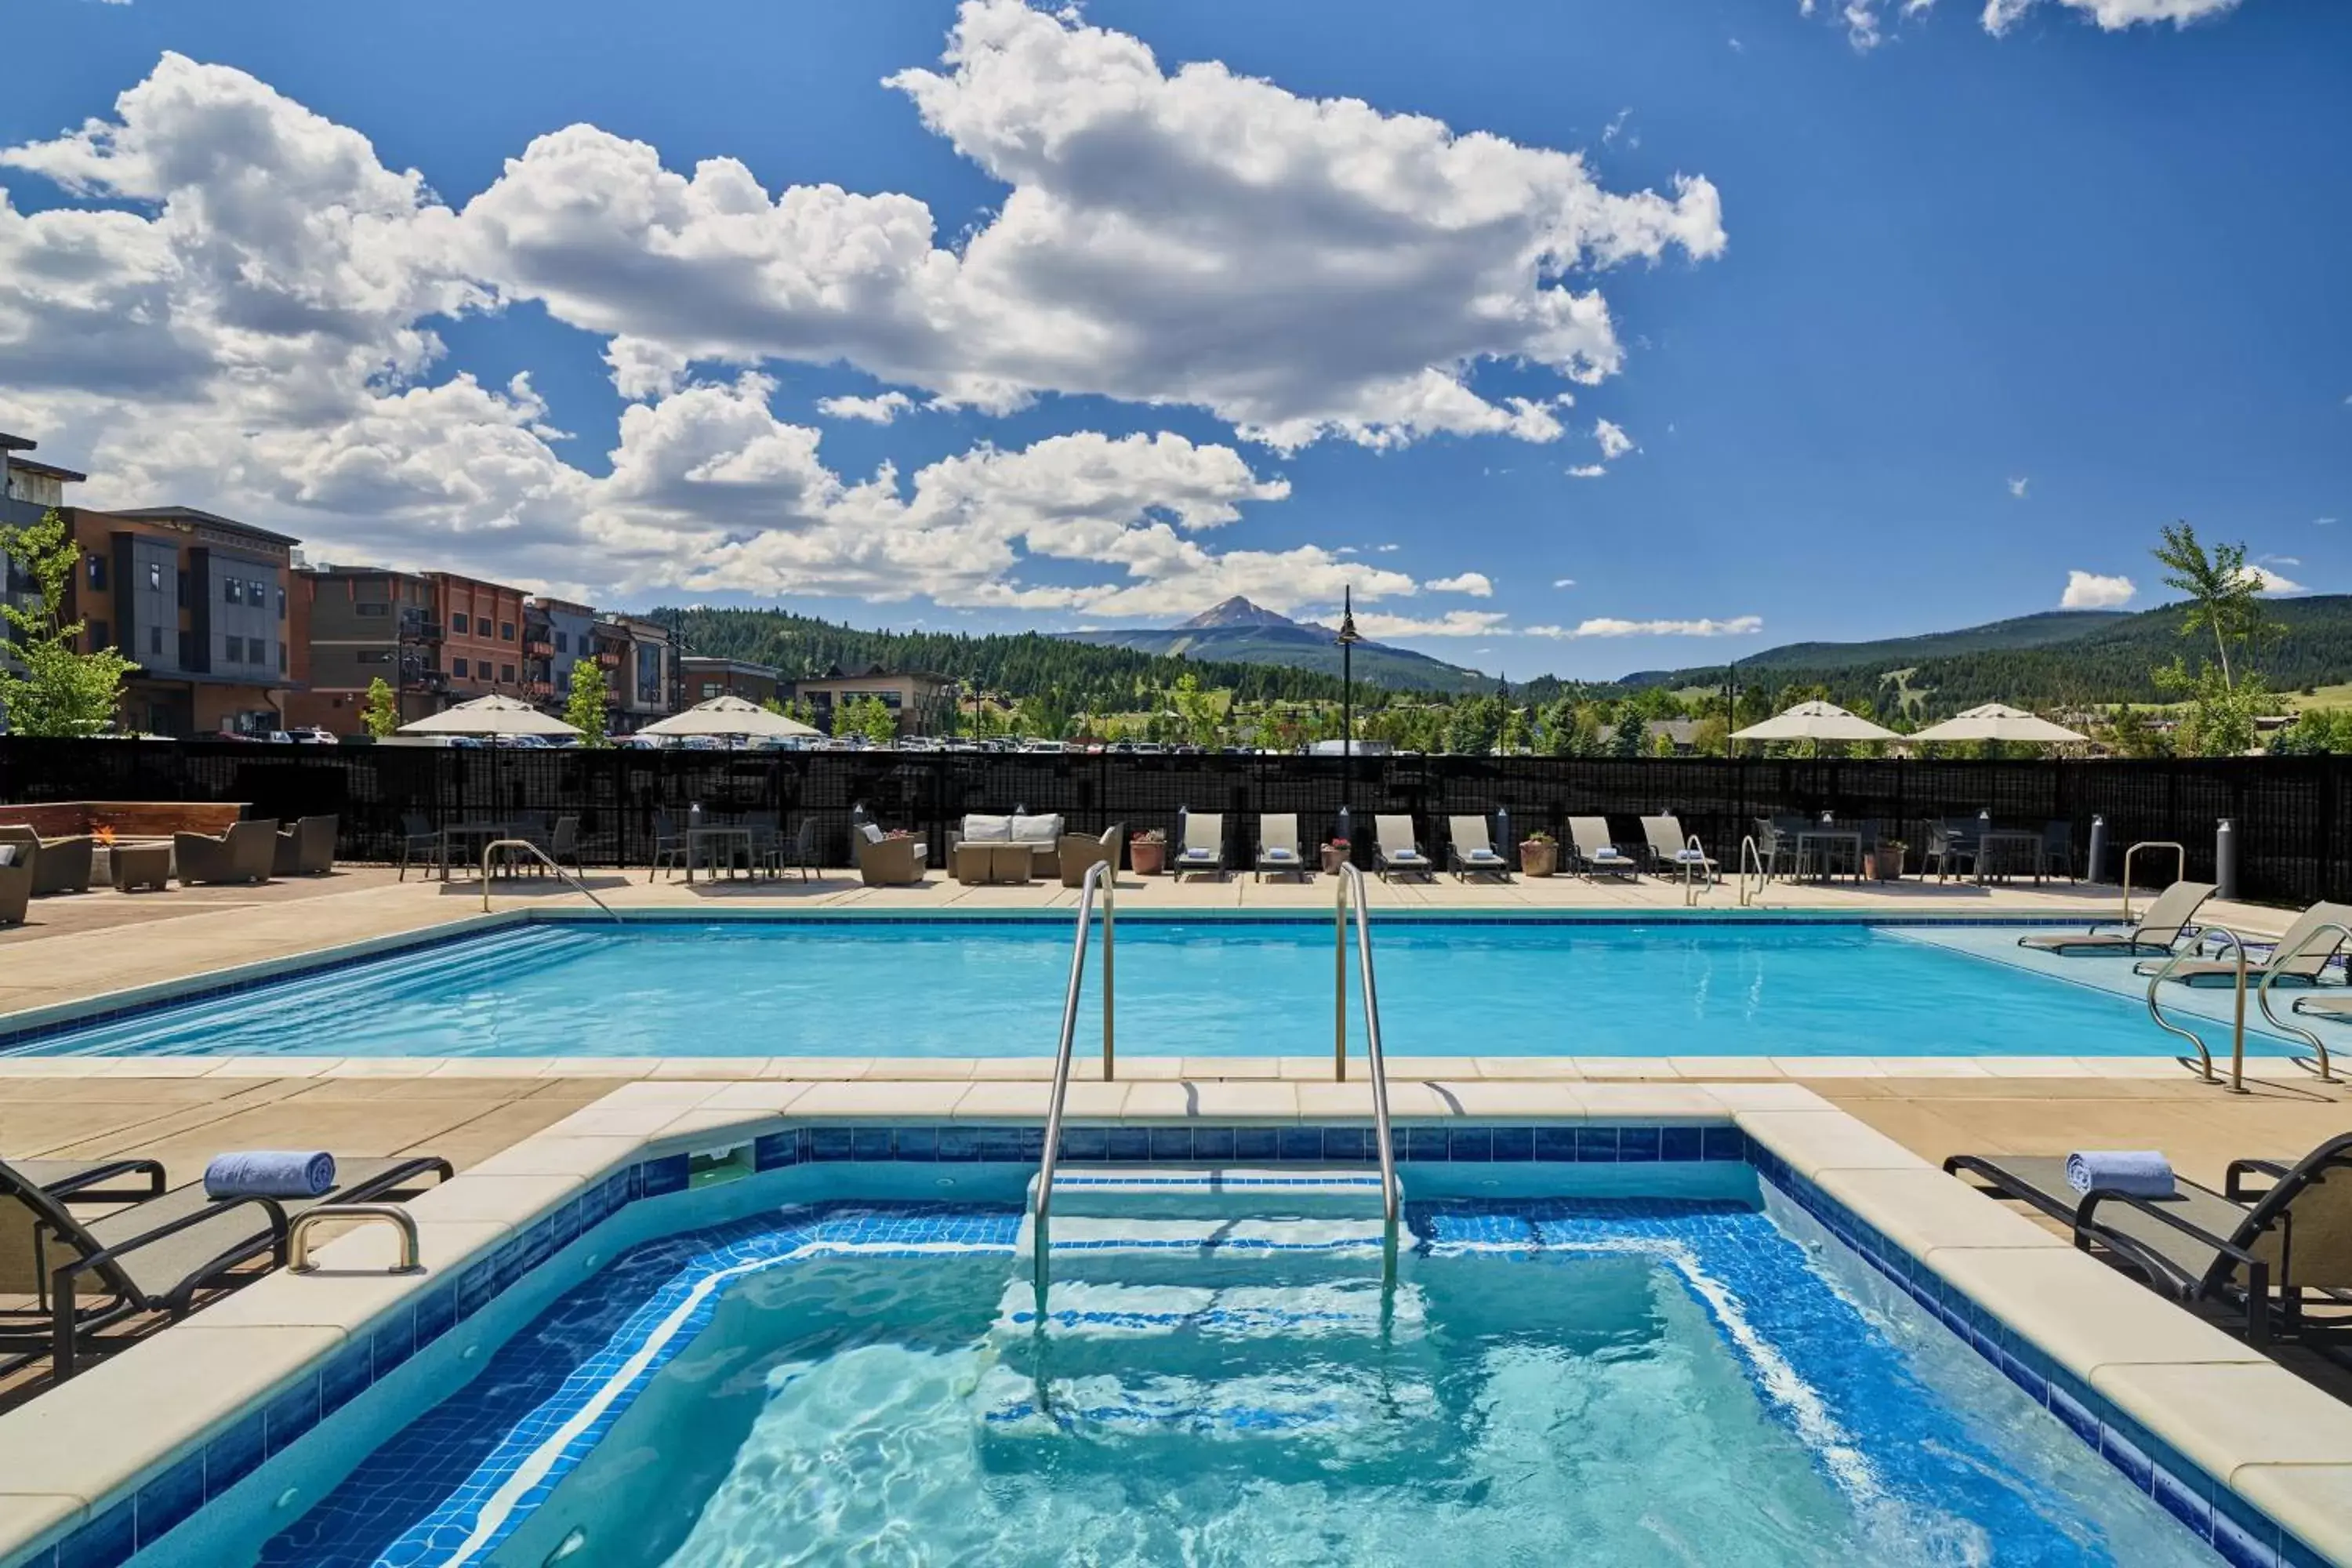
<point x="244" y="854"/>
<point x="60" y="864"/>
<point x="140" y="865"/>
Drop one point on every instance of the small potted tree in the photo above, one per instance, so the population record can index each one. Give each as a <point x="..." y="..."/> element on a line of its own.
<point x="1147" y="852"/>
<point x="1539" y="853"/>
<point x="1886" y="860"/>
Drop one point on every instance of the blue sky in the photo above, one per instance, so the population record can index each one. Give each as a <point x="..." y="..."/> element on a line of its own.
<point x="1951" y="316"/>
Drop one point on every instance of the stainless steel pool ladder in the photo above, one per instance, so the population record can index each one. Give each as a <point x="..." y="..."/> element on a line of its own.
<point x="1750" y="854"/>
<point x="2203" y="1065"/>
<point x="546" y="859"/>
<point x="1351" y="898"/>
<point x="298" y="1234"/>
<point x="1101" y="878"/>
<point x="2279" y="958"/>
<point x="2180" y="866"/>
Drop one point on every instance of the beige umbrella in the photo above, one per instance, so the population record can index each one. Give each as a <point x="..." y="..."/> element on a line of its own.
<point x="728" y="716"/>
<point x="1815" y="722"/>
<point x="489" y="716"/>
<point x="1998" y="721"/>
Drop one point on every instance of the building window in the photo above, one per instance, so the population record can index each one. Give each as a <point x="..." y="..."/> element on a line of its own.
<point x="458" y="622"/>
<point x="374" y="656"/>
<point x="563" y="642"/>
<point x="506" y="631"/>
<point x="180" y="583"/>
<point x="154" y="640"/>
<point x="281" y="658"/>
<point x="97" y="634"/>
<point x="710" y="689"/>
<point x="98" y="571"/>
<point x="282" y="603"/>
<point x="458" y="668"/>
<point x="232" y="591"/>
<point x="505" y="672"/>
<point x="371" y="609"/>
<point x="261" y="592"/>
<point x="155" y="575"/>
<point x="232" y="650"/>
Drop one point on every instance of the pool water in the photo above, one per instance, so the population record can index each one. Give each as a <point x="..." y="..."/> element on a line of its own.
<point x="949" y="988"/>
<point x="1644" y="1380"/>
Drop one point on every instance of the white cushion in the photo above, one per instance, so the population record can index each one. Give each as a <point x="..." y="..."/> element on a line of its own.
<point x="874" y="835"/>
<point x="1036" y="830"/>
<point x="7" y="854"/>
<point x="978" y="829"/>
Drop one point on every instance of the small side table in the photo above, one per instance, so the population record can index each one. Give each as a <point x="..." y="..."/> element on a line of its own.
<point x="1012" y="865"/>
<point x="140" y="865"/>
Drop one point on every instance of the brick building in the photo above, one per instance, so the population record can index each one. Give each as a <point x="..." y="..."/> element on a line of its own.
<point x="367" y="623"/>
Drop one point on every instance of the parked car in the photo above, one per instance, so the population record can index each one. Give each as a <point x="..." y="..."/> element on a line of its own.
<point x="314" y="736"/>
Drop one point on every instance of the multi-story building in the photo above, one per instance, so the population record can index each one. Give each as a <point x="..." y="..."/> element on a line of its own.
<point x="647" y="680"/>
<point x="706" y="676"/>
<point x="27" y="490"/>
<point x="481" y="633"/>
<point x="919" y="701"/>
<point x="367" y="624"/>
<point x="557" y="634"/>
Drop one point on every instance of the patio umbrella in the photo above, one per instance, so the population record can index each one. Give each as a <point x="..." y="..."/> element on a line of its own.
<point x="730" y="716"/>
<point x="490" y="715"/>
<point x="1998" y="721"/>
<point x="1815" y="722"/>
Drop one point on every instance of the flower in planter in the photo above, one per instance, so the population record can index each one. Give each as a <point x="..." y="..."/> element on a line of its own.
<point x="1150" y="836"/>
<point x="1538" y="837"/>
<point x="1336" y="844"/>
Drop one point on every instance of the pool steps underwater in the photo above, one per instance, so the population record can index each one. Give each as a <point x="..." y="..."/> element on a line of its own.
<point x="1263" y="1287"/>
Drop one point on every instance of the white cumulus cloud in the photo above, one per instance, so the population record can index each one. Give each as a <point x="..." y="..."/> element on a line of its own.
<point x="878" y="410"/>
<point x="2269" y="582"/>
<point x="1475" y="583"/>
<point x="1610" y="627"/>
<point x="1614" y="442"/>
<point x="2017" y="487"/>
<point x="1864" y="19"/>
<point x="1453" y="624"/>
<point x="1587" y="471"/>
<point x="2090" y="591"/>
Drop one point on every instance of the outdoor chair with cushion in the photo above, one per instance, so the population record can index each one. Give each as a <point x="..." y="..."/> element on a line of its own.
<point x="1080" y="854"/>
<point x="887" y="862"/>
<point x="1671" y="849"/>
<point x="2154" y="937"/>
<point x="1470" y="849"/>
<point x="305" y="849"/>
<point x="160" y="1254"/>
<point x="1395" y="851"/>
<point x="244" y="854"/>
<point x="1277" y="846"/>
<point x="60" y="864"/>
<point x="418" y="839"/>
<point x="16" y="882"/>
<point x="1202" y="846"/>
<point x="2275" y="1242"/>
<point x="1596" y="852"/>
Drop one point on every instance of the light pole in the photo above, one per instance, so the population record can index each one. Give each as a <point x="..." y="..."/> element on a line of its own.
<point x="1348" y="639"/>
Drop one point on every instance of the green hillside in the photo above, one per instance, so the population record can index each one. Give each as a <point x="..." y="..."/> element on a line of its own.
<point x="1294" y="647"/>
<point x="2062" y="658"/>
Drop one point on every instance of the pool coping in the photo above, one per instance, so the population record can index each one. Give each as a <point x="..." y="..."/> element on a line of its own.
<point x="2220" y="1436"/>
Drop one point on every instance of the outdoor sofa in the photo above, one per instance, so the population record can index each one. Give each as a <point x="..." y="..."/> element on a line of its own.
<point x="1041" y="832"/>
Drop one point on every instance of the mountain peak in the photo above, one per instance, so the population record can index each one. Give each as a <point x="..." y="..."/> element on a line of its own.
<point x="1234" y="612"/>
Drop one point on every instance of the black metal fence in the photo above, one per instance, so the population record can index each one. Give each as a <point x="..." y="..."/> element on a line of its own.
<point x="2294" y="815"/>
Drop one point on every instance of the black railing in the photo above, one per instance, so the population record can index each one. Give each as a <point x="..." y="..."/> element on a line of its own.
<point x="2294" y="815"/>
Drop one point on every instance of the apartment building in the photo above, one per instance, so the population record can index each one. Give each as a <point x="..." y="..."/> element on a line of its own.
<point x="706" y="678"/>
<point x="919" y="701"/>
<point x="642" y="656"/>
<point x="557" y="635"/>
<point x="481" y="635"/>
<point x="27" y="490"/>
<point x="367" y="624"/>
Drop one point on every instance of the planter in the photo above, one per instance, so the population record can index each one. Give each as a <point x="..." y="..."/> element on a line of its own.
<point x="1884" y="865"/>
<point x="1333" y="859"/>
<point x="1538" y="859"/>
<point x="1147" y="859"/>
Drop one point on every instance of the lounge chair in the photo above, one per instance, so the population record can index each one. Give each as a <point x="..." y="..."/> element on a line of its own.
<point x="2274" y="1251"/>
<point x="1277" y="846"/>
<point x="60" y="864"/>
<point x="244" y="854"/>
<point x="1204" y="846"/>
<point x="417" y="838"/>
<point x="1081" y="854"/>
<point x="158" y="1256"/>
<point x="2301" y="957"/>
<point x="1951" y="845"/>
<point x="669" y="843"/>
<point x="1395" y="850"/>
<point x="1470" y="849"/>
<point x="305" y="849"/>
<point x="16" y="882"/>
<point x="1670" y="849"/>
<point x="1596" y="852"/>
<point x="887" y="862"/>
<point x="2154" y="936"/>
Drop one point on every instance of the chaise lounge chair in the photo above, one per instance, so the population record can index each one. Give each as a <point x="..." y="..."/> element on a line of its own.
<point x="244" y="854"/>
<point x="1670" y="849"/>
<point x="1396" y="851"/>
<point x="1470" y="849"/>
<point x="1204" y="848"/>
<point x="2273" y="1251"/>
<point x="58" y="865"/>
<point x="2153" y="937"/>
<point x="2301" y="957"/>
<point x="1277" y="846"/>
<point x="305" y="849"/>
<point x="158" y="1256"/>
<point x="1596" y="852"/>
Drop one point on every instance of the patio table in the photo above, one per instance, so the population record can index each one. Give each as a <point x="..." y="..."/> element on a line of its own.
<point x="1808" y="837"/>
<point x="482" y="833"/>
<point x="2012" y="848"/>
<point x="722" y="836"/>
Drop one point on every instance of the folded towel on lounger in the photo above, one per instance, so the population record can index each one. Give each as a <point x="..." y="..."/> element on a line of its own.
<point x="2140" y="1172"/>
<point x="270" y="1173"/>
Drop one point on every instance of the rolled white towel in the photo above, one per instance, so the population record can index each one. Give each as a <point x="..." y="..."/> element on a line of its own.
<point x="2140" y="1172"/>
<point x="270" y="1173"/>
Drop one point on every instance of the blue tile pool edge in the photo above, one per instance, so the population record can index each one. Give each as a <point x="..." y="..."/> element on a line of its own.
<point x="143" y="1512"/>
<point x="67" y="1018"/>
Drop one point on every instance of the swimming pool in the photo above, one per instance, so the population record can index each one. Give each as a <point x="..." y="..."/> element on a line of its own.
<point x="1195" y="987"/>
<point x="1683" y="1377"/>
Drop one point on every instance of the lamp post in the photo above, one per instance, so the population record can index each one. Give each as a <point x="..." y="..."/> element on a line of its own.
<point x="1348" y="639"/>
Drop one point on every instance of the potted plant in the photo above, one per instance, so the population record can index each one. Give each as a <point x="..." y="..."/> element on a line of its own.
<point x="1147" y="852"/>
<point x="1886" y="860"/>
<point x="1335" y="855"/>
<point x="1539" y="853"/>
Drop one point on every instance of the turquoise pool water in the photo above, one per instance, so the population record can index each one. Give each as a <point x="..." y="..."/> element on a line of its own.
<point x="946" y="988"/>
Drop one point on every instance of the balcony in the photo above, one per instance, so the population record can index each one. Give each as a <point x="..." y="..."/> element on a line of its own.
<point x="419" y="629"/>
<point x="609" y="658"/>
<point x="538" y="690"/>
<point x="538" y="648"/>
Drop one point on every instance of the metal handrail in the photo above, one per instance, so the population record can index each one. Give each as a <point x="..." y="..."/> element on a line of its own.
<point x="1100" y="879"/>
<point x="2179" y="866"/>
<point x="1352" y="895"/>
<point x="2279" y="956"/>
<point x="298" y="1234"/>
<point x="1750" y="855"/>
<point x="546" y="859"/>
<point x="2203" y="1066"/>
<point x="1690" y="895"/>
